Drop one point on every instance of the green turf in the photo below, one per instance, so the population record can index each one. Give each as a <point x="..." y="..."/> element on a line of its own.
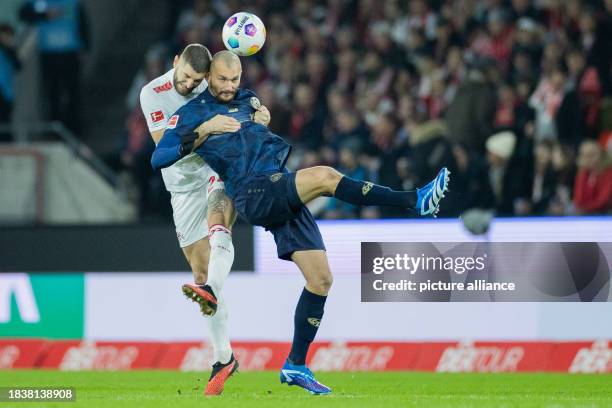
<point x="144" y="389"/>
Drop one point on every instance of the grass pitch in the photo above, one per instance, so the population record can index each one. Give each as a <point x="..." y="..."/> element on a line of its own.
<point x="145" y="389"/>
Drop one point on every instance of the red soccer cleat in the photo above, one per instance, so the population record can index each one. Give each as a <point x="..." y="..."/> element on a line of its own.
<point x="202" y="295"/>
<point x="219" y="375"/>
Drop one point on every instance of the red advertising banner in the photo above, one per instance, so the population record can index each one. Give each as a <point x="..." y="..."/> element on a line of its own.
<point x="90" y="355"/>
<point x="252" y="356"/>
<point x="362" y="356"/>
<point x="495" y="357"/>
<point x="465" y="356"/>
<point x="21" y="353"/>
<point x="582" y="357"/>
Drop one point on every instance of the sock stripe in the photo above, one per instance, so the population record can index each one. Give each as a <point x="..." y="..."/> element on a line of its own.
<point x="217" y="227"/>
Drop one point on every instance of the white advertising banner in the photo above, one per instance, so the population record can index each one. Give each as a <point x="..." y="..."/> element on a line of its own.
<point x="140" y="306"/>
<point x="122" y="306"/>
<point x="343" y="238"/>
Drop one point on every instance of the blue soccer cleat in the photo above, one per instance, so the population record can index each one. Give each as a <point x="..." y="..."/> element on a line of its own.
<point x="429" y="196"/>
<point x="301" y="376"/>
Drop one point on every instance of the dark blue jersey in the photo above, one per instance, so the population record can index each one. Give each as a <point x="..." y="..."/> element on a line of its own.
<point x="251" y="151"/>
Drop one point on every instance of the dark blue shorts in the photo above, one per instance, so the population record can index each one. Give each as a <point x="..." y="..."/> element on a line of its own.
<point x="272" y="201"/>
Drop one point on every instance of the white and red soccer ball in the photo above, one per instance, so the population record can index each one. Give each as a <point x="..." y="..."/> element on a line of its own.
<point x="244" y="34"/>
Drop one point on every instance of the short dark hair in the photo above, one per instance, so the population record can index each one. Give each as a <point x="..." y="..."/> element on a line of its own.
<point x="198" y="56"/>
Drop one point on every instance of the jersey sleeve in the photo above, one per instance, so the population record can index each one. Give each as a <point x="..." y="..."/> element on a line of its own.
<point x="168" y="150"/>
<point x="157" y="117"/>
<point x="181" y="123"/>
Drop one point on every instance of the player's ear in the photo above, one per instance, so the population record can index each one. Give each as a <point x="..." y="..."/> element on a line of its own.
<point x="176" y="58"/>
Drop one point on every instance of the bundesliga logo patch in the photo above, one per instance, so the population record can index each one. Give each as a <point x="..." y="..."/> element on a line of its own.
<point x="157" y="116"/>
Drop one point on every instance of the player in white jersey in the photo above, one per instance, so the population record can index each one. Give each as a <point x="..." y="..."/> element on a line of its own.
<point x="203" y="214"/>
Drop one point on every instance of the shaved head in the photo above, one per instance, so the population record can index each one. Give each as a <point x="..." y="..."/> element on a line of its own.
<point x="224" y="76"/>
<point x="228" y="58"/>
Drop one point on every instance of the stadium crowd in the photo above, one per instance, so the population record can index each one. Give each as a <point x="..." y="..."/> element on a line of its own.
<point x="513" y="96"/>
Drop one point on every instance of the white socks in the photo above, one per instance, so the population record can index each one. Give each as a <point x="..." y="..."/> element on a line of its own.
<point x="219" y="266"/>
<point x="221" y="257"/>
<point x="222" y="349"/>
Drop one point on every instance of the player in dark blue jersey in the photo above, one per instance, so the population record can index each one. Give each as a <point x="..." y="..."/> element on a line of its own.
<point x="251" y="161"/>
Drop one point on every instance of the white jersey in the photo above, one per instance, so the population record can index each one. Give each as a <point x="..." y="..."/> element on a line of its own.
<point x="159" y="100"/>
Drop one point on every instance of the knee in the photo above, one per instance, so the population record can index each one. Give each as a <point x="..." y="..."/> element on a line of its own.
<point x="321" y="283"/>
<point x="328" y="178"/>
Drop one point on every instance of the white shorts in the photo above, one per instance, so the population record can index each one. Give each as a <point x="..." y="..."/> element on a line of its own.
<point x="189" y="210"/>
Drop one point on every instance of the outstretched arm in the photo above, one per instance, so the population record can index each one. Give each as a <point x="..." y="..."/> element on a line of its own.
<point x="171" y="148"/>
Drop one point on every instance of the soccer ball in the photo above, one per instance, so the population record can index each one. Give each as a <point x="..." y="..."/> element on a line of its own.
<point x="244" y="34"/>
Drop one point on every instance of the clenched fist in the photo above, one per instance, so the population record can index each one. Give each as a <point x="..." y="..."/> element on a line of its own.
<point x="262" y="116"/>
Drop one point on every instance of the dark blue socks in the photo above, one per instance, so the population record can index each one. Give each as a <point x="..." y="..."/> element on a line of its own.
<point x="366" y="193"/>
<point x="308" y="314"/>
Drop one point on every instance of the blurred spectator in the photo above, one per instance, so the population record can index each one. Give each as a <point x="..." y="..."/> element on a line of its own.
<point x="9" y="64"/>
<point x="372" y="87"/>
<point x="495" y="42"/>
<point x="590" y="98"/>
<point x="470" y="181"/>
<point x="63" y="36"/>
<point x="593" y="188"/>
<point x="506" y="103"/>
<point x="471" y="114"/>
<point x="349" y="166"/>
<point x="308" y="117"/>
<point x="350" y="129"/>
<point x="202" y="14"/>
<point x="543" y="181"/>
<point x="524" y="9"/>
<point x="156" y="63"/>
<point x="504" y="175"/>
<point x="594" y="38"/>
<point x="279" y="122"/>
<point x="527" y="48"/>
<point x="563" y="158"/>
<point x="194" y="25"/>
<point x="558" y="114"/>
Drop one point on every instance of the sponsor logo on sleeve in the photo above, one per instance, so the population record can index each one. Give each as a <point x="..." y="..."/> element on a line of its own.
<point x="163" y="88"/>
<point x="173" y="121"/>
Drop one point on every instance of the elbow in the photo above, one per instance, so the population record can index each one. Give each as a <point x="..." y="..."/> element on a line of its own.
<point x="155" y="161"/>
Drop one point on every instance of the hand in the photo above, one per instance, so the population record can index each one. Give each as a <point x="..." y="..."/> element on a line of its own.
<point x="262" y="116"/>
<point x="217" y="125"/>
